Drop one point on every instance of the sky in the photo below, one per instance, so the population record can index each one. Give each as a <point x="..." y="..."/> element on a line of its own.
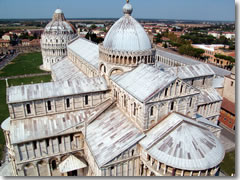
<point x="218" y="10"/>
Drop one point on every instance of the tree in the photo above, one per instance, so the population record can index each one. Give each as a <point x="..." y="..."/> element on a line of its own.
<point x="187" y="49"/>
<point x="93" y="37"/>
<point x="158" y="38"/>
<point x="93" y="26"/>
<point x="165" y="45"/>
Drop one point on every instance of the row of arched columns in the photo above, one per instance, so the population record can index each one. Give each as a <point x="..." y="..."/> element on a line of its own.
<point x="168" y="61"/>
<point x="152" y="167"/>
<point x="126" y="58"/>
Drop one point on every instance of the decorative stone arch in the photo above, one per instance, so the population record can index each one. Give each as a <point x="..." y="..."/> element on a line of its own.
<point x="130" y="60"/>
<point x="125" y="60"/>
<point x="103" y="68"/>
<point x="53" y="162"/>
<point x="121" y="60"/>
<point x="115" y="71"/>
<point x="134" y="60"/>
<point x="42" y="168"/>
<point x="62" y="158"/>
<point x="152" y="110"/>
<point x="29" y="169"/>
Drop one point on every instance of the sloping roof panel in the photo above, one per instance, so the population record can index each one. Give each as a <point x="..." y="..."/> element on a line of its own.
<point x="55" y="89"/>
<point x="87" y="50"/>
<point x="183" y="143"/>
<point x="65" y="70"/>
<point x="111" y="134"/>
<point x="144" y="81"/>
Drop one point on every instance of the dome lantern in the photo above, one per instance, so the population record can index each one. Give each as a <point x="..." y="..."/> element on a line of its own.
<point x="127" y="8"/>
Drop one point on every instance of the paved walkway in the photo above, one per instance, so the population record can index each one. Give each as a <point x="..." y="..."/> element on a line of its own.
<point x="7" y="60"/>
<point x="25" y="75"/>
<point x="227" y="143"/>
<point x="6" y="168"/>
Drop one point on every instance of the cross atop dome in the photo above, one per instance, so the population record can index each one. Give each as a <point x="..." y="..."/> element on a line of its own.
<point x="127" y="8"/>
<point x="58" y="11"/>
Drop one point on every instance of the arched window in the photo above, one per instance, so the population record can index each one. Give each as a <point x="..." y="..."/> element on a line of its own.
<point x="125" y="101"/>
<point x="134" y="109"/>
<point x="151" y="111"/>
<point x="54" y="164"/>
<point x="181" y="89"/>
<point x="68" y="102"/>
<point x="203" y="83"/>
<point x="132" y="152"/>
<point x="172" y="106"/>
<point x="49" y="106"/>
<point x="86" y="100"/>
<point x="28" y="109"/>
<point x="166" y="91"/>
<point x="190" y="104"/>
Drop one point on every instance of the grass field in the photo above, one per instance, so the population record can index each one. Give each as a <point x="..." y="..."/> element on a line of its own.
<point x="3" y="106"/>
<point x="23" y="64"/>
<point x="228" y="164"/>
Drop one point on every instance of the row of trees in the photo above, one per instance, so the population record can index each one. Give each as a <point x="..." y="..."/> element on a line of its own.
<point x="184" y="46"/>
<point x="93" y="37"/>
<point x="229" y="58"/>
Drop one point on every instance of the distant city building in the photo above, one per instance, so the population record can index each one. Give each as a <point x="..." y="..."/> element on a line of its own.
<point x="55" y="38"/>
<point x="212" y="50"/>
<point x="227" y="117"/>
<point x="7" y="37"/>
<point x="214" y="34"/>
<point x="120" y="108"/>
<point x="229" y="35"/>
<point x="25" y="42"/>
<point x="4" y="43"/>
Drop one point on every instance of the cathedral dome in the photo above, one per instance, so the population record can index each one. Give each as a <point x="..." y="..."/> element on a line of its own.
<point x="127" y="34"/>
<point x="59" y="24"/>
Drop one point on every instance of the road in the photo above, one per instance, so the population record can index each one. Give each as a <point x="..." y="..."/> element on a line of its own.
<point x="6" y="60"/>
<point x="225" y="132"/>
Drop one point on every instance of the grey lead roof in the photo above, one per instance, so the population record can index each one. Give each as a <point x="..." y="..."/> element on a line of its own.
<point x="87" y="50"/>
<point x="111" y="134"/>
<point x="144" y="81"/>
<point x="191" y="71"/>
<point x="55" y="89"/>
<point x="209" y="95"/>
<point x="183" y="143"/>
<point x="189" y="61"/>
<point x="52" y="125"/>
<point x="66" y="70"/>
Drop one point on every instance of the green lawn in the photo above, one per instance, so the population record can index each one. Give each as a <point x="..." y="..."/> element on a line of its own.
<point x="23" y="64"/>
<point x="228" y="164"/>
<point x="3" y="113"/>
<point x="3" y="106"/>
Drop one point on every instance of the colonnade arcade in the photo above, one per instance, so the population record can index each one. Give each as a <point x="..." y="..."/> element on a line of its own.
<point x="49" y="167"/>
<point x="152" y="167"/>
<point x="127" y="58"/>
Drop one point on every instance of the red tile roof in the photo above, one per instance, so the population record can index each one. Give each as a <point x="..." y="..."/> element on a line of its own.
<point x="228" y="106"/>
<point x="4" y="41"/>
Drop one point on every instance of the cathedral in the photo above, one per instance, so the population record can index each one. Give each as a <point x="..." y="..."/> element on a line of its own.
<point x="120" y="108"/>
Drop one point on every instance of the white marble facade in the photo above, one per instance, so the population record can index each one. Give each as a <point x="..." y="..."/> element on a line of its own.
<point x="111" y="111"/>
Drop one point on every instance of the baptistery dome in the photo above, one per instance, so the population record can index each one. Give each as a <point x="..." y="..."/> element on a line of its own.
<point x="59" y="24"/>
<point x="55" y="38"/>
<point x="127" y="34"/>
